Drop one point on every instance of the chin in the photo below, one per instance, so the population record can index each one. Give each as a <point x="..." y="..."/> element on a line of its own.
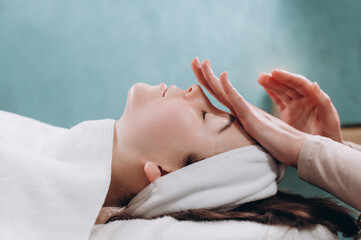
<point x="140" y="94"/>
<point x="144" y="91"/>
<point x="138" y="90"/>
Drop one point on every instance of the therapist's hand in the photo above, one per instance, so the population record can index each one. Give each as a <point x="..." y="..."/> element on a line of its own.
<point x="281" y="140"/>
<point x="207" y="79"/>
<point x="302" y="103"/>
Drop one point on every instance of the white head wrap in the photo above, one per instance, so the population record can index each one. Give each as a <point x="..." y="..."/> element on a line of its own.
<point x="221" y="182"/>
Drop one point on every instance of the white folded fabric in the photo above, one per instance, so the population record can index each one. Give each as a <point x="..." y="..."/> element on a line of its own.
<point x="221" y="182"/>
<point x="53" y="180"/>
<point x="166" y="228"/>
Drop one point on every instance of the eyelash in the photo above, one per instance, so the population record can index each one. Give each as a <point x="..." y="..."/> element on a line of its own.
<point x="192" y="158"/>
<point x="189" y="160"/>
<point x="204" y="114"/>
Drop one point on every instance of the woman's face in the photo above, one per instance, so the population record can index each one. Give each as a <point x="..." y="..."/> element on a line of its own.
<point x="167" y="129"/>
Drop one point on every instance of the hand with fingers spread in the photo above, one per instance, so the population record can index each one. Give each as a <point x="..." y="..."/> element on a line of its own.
<point x="280" y="139"/>
<point x="302" y="103"/>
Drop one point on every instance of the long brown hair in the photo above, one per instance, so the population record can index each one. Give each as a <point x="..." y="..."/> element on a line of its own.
<point x="285" y="208"/>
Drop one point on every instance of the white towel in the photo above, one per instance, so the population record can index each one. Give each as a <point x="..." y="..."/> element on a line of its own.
<point x="166" y="228"/>
<point x="221" y="182"/>
<point x="53" y="180"/>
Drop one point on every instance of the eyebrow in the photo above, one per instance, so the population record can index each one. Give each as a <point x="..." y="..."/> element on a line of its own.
<point x="231" y="120"/>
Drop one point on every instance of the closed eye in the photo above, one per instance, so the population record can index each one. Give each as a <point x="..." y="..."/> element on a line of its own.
<point x="204" y="114"/>
<point x="193" y="158"/>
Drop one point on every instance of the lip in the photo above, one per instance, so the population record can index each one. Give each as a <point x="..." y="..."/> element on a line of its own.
<point x="163" y="89"/>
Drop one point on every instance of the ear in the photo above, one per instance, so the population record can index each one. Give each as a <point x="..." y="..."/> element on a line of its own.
<point x="153" y="171"/>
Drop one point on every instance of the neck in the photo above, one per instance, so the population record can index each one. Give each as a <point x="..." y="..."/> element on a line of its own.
<point x="125" y="175"/>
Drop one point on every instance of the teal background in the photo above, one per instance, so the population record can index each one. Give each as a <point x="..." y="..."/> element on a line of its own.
<point x="63" y="62"/>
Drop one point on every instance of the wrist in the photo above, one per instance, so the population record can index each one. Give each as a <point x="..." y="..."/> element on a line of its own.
<point x="292" y="148"/>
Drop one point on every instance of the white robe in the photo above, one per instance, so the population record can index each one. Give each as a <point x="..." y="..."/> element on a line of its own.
<point x="53" y="180"/>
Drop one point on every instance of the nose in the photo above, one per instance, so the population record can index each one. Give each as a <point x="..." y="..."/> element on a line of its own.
<point x="193" y="91"/>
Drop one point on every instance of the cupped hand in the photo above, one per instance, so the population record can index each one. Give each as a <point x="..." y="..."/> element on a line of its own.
<point x="302" y="103"/>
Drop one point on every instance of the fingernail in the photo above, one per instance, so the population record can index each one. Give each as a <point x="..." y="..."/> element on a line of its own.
<point x="208" y="62"/>
<point x="209" y="65"/>
<point x="317" y="86"/>
<point x="229" y="82"/>
<point x="197" y="60"/>
<point x="266" y="74"/>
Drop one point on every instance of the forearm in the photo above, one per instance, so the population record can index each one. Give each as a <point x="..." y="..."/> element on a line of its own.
<point x="333" y="167"/>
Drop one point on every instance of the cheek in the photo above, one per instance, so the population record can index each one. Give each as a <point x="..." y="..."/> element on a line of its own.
<point x="169" y="125"/>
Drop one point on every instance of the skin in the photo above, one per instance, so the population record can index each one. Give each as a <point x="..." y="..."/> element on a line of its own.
<point x="155" y="134"/>
<point x="294" y="94"/>
<point x="306" y="109"/>
<point x="302" y="104"/>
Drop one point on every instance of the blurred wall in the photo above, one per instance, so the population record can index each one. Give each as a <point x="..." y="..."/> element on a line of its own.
<point x="63" y="62"/>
